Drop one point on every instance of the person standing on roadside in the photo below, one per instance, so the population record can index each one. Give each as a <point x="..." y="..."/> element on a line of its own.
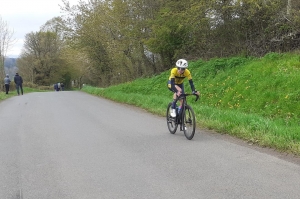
<point x="7" y="83"/>
<point x="58" y="86"/>
<point x="62" y="86"/>
<point x="18" y="81"/>
<point x="55" y="87"/>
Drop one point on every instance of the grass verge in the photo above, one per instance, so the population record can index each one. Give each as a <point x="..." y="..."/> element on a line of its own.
<point x="254" y="99"/>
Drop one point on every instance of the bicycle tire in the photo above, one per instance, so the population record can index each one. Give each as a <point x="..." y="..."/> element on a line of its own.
<point x="189" y="122"/>
<point x="171" y="121"/>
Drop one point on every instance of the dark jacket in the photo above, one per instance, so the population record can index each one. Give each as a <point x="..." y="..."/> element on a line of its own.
<point x="18" y="79"/>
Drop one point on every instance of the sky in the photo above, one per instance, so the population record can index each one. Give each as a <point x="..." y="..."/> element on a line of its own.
<point x="25" y="16"/>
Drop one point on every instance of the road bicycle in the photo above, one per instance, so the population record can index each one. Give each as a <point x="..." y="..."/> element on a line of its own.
<point x="185" y="118"/>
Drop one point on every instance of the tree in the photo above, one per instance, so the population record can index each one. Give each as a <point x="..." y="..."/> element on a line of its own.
<point x="123" y="40"/>
<point x="268" y="27"/>
<point x="169" y="32"/>
<point x="6" y="41"/>
<point x="111" y="35"/>
<point x="41" y="54"/>
<point x="77" y="67"/>
<point x="26" y="68"/>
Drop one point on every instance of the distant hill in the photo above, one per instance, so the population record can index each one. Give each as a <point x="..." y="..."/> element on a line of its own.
<point x="10" y="62"/>
<point x="10" y="66"/>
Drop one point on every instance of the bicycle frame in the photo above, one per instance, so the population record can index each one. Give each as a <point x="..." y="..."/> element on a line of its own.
<point x="185" y="118"/>
<point x="180" y="116"/>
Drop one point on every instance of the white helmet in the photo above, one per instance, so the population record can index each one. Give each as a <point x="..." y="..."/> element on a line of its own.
<point x="182" y="63"/>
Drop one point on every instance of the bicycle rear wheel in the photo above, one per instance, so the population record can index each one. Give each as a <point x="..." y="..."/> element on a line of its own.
<point x="189" y="122"/>
<point x="171" y="121"/>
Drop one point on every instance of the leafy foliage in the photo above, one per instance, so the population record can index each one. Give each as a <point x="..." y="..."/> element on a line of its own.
<point x="124" y="40"/>
<point x="40" y="60"/>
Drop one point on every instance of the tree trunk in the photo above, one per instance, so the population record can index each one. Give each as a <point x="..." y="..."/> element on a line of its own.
<point x="2" y="72"/>
<point x="289" y="7"/>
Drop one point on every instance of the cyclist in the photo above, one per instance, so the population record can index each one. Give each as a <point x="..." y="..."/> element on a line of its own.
<point x="175" y="83"/>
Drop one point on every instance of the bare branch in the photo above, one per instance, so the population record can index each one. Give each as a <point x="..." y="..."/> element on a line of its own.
<point x="6" y="42"/>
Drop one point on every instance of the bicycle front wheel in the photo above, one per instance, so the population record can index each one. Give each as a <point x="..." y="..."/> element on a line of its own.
<point x="189" y="122"/>
<point x="171" y="121"/>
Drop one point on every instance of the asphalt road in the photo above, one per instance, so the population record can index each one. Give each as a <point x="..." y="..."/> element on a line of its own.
<point x="71" y="145"/>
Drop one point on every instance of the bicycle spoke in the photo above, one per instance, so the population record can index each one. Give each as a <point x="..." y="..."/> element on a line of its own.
<point x="171" y="122"/>
<point x="189" y="123"/>
<point x="186" y="119"/>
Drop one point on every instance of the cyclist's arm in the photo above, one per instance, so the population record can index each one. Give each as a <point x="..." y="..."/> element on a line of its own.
<point x="192" y="85"/>
<point x="172" y="79"/>
<point x="193" y="88"/>
<point x="189" y="76"/>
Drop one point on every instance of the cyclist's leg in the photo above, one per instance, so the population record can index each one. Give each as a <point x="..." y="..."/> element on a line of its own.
<point x="181" y="86"/>
<point x="172" y="107"/>
<point x="174" y="94"/>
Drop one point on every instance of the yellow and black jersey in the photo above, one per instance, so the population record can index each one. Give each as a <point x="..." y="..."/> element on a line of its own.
<point x="180" y="77"/>
<point x="177" y="79"/>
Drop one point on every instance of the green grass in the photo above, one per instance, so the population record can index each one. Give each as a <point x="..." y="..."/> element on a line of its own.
<point x="3" y="96"/>
<point x="13" y="92"/>
<point x="255" y="99"/>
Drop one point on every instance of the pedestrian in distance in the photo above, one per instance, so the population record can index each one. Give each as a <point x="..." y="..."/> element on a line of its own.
<point x="18" y="81"/>
<point x="55" y="87"/>
<point x="7" y="83"/>
<point x="62" y="86"/>
<point x="58" y="86"/>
